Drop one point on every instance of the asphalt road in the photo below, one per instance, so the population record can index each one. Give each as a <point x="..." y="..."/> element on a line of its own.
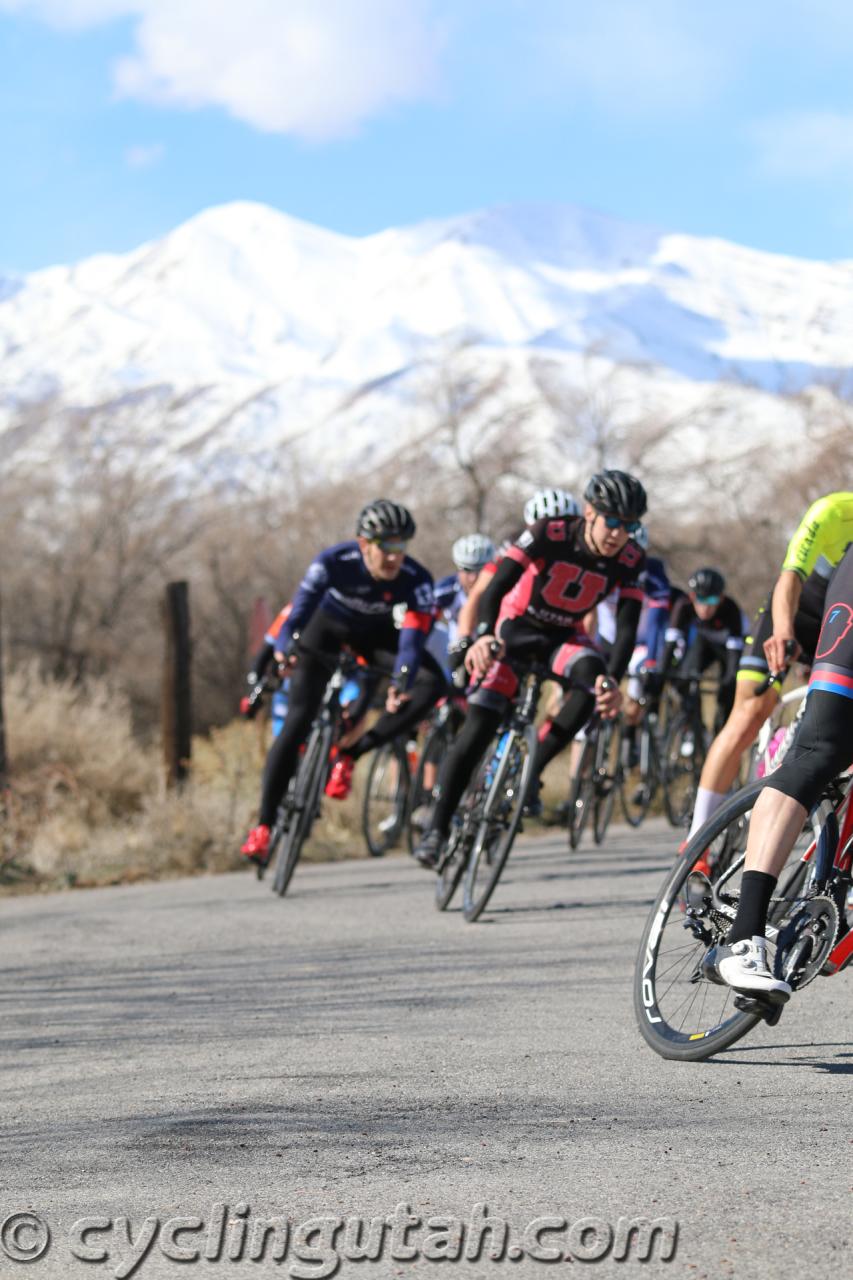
<point x="200" y="1049"/>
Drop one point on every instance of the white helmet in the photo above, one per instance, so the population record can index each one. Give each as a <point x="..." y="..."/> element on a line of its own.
<point x="549" y="504"/>
<point x="472" y="551"/>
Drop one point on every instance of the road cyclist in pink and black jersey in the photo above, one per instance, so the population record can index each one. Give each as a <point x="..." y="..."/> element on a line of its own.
<point x="549" y="579"/>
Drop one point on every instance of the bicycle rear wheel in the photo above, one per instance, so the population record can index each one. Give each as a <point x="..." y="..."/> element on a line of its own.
<point x="501" y="820"/>
<point x="581" y="792"/>
<point x="383" y="811"/>
<point x="681" y="1010"/>
<point x="683" y="757"/>
<point x="302" y="805"/>
<point x="608" y="777"/>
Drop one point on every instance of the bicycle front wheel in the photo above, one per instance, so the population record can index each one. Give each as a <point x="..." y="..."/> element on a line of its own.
<point x="682" y="1010"/>
<point x="302" y="805"/>
<point x="383" y="812"/>
<point x="683" y="757"/>
<point x="501" y="820"/>
<point x="639" y="775"/>
<point x="608" y="776"/>
<point x="581" y="792"/>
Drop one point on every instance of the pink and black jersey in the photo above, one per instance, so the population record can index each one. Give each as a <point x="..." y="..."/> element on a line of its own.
<point x="562" y="579"/>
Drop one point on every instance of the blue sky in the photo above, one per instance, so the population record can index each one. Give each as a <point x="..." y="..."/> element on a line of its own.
<point x="121" y="118"/>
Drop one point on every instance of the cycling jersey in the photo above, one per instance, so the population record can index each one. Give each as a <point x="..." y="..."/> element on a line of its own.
<point x="551" y="579"/>
<point x="823" y="535"/>
<point x="653" y="618"/>
<point x="724" y="630"/>
<point x="338" y="582"/>
<point x="449" y="598"/>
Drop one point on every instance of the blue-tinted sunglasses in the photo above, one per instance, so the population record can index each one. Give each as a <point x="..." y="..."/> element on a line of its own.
<point x="708" y="599"/>
<point x="616" y="522"/>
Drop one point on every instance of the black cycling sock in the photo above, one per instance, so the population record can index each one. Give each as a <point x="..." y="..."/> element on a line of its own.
<point x="756" y="890"/>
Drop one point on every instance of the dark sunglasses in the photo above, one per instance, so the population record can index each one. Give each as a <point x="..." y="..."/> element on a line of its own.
<point x="616" y="522"/>
<point x="391" y="546"/>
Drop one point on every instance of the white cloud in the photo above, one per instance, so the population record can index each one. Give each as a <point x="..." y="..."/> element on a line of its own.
<point x="144" y="155"/>
<point x="314" y="68"/>
<point x="805" y="144"/>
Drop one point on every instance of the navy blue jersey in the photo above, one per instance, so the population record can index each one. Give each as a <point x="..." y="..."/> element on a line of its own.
<point x="338" y="582"/>
<point x="656" y="592"/>
<point x="449" y="597"/>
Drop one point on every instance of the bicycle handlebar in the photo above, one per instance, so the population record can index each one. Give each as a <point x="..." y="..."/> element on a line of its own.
<point x="773" y="676"/>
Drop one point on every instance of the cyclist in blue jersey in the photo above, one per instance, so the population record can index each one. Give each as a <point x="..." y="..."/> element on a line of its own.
<point x="347" y="598"/>
<point x="470" y="553"/>
<point x="648" y="652"/>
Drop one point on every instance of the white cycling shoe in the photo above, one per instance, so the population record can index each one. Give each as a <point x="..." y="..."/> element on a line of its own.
<point x="743" y="965"/>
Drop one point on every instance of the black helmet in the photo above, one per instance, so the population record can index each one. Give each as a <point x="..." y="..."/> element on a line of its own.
<point x="618" y="494"/>
<point x="706" y="583"/>
<point x="383" y="518"/>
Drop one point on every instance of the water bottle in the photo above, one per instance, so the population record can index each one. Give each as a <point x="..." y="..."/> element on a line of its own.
<point x="496" y="758"/>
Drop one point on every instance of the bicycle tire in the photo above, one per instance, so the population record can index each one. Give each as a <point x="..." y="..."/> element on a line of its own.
<point x="580" y="793"/>
<point x="671" y="994"/>
<point x="433" y="752"/>
<point x="303" y="806"/>
<point x="683" y="757"/>
<point x="466" y="823"/>
<point x="501" y="820"/>
<point x="608" y="764"/>
<point x="640" y="780"/>
<point x="386" y="797"/>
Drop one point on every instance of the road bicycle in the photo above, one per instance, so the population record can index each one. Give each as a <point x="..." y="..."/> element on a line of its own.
<point x="682" y="1009"/>
<point x="684" y="748"/>
<point x="443" y="724"/>
<point x="597" y="778"/>
<point x="490" y="813"/>
<point x="301" y="804"/>
<point x="641" y="763"/>
<point x="387" y="793"/>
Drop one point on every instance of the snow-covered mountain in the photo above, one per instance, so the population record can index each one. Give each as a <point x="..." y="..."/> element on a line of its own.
<point x="245" y="329"/>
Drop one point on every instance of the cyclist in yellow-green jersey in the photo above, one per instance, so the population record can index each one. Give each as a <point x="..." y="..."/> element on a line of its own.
<point x="793" y="611"/>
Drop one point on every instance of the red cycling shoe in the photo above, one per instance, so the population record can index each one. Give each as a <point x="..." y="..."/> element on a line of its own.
<point x="340" y="779"/>
<point x="257" y="844"/>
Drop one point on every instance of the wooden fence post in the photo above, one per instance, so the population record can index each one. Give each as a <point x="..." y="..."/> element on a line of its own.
<point x="177" y="706"/>
<point x="4" y="764"/>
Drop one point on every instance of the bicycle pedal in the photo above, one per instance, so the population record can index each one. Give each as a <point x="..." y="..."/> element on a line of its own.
<point x="766" y="1008"/>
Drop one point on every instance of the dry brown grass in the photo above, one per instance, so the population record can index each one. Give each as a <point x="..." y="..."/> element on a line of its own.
<point x="87" y="804"/>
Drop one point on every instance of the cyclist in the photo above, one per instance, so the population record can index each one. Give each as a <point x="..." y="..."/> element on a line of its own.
<point x="793" y="611"/>
<point x="550" y="503"/>
<point x="347" y="597"/>
<point x="649" y="649"/>
<point x="710" y="625"/>
<point x="470" y="553"/>
<point x="821" y="749"/>
<point x="550" y="578"/>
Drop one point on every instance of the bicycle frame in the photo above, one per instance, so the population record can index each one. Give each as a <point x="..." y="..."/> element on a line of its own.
<point x="841" y="864"/>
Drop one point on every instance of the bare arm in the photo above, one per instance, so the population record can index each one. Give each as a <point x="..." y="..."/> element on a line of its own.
<point x="786" y="600"/>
